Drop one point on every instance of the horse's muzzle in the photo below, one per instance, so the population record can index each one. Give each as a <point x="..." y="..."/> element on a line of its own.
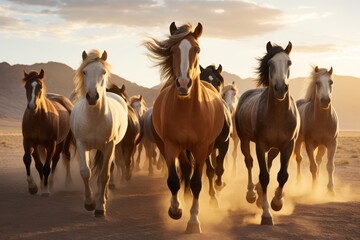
<point x="281" y="91"/>
<point x="183" y="86"/>
<point x="92" y="98"/>
<point x="325" y="102"/>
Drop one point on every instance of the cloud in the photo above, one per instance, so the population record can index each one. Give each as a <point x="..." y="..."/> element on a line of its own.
<point x="317" y="48"/>
<point x="9" y="23"/>
<point x="221" y="19"/>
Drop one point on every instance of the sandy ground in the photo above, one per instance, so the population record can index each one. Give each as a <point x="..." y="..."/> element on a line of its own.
<point x="138" y="209"/>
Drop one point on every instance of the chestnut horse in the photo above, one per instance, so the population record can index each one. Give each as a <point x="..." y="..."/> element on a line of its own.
<point x="268" y="117"/>
<point x="319" y="125"/>
<point x="98" y="121"/>
<point x="46" y="123"/>
<point x="185" y="114"/>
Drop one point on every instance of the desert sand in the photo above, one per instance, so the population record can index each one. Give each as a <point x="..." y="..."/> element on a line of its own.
<point x="138" y="209"/>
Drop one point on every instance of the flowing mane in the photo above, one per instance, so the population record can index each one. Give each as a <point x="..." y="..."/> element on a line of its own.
<point x="160" y="51"/>
<point x="93" y="56"/>
<point x="310" y="93"/>
<point x="263" y="69"/>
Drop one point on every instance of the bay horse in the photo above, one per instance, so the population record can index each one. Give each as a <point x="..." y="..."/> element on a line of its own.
<point x="98" y="121"/>
<point x="124" y="150"/>
<point x="268" y="117"/>
<point x="215" y="164"/>
<point x="45" y="123"/>
<point x="229" y="94"/>
<point x="185" y="114"/>
<point x="319" y="125"/>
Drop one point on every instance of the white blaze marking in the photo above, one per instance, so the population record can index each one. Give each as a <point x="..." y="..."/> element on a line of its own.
<point x="32" y="100"/>
<point x="211" y="78"/>
<point x="280" y="61"/>
<point x="184" y="58"/>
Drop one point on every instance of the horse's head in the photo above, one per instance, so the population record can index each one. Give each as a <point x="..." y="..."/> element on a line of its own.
<point x="275" y="69"/>
<point x="35" y="89"/>
<point x="212" y="75"/>
<point x="323" y="84"/>
<point x="185" y="66"/>
<point x="138" y="104"/>
<point x="119" y="91"/>
<point x="229" y="94"/>
<point x="95" y="75"/>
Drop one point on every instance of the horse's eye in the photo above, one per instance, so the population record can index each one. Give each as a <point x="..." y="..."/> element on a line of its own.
<point x="331" y="82"/>
<point x="84" y="72"/>
<point x="104" y="72"/>
<point x="197" y="50"/>
<point x="289" y="63"/>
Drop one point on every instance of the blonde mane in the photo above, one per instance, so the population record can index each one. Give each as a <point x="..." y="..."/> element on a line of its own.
<point x="310" y="92"/>
<point x="92" y="56"/>
<point x="160" y="51"/>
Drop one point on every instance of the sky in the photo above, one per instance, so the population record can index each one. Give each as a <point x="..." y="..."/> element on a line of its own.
<point x="235" y="33"/>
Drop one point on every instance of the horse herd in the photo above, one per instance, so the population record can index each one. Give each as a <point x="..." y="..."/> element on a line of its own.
<point x="191" y="123"/>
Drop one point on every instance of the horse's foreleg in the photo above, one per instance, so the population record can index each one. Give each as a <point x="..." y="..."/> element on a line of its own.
<point x="245" y="149"/>
<point x="299" y="158"/>
<point x="27" y="161"/>
<point x="54" y="162"/>
<point x="266" y="218"/>
<point x="220" y="165"/>
<point x="50" y="152"/>
<point x="193" y="225"/>
<point x="210" y="173"/>
<point x="85" y="173"/>
<point x="330" y="165"/>
<point x="319" y="156"/>
<point x="234" y="153"/>
<point x="137" y="161"/>
<point x="313" y="165"/>
<point x="282" y="177"/>
<point x="66" y="158"/>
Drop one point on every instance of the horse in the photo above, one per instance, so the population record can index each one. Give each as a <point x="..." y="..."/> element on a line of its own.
<point x="98" y="121"/>
<point x="45" y="125"/>
<point x="268" y="117"/>
<point x="125" y="149"/>
<point x="229" y="94"/>
<point x="185" y="114"/>
<point x="213" y="76"/>
<point x="319" y="125"/>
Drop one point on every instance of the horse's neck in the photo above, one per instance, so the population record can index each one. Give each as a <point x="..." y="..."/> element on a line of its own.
<point x="279" y="106"/>
<point x="101" y="109"/>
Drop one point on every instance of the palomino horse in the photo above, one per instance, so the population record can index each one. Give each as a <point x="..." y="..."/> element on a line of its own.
<point x="229" y="94"/>
<point x="319" y="125"/>
<point x="98" y="121"/>
<point x="185" y="114"/>
<point x="213" y="76"/>
<point x="125" y="149"/>
<point x="46" y="123"/>
<point x="268" y="116"/>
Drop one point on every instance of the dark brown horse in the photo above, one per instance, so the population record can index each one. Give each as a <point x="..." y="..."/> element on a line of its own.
<point x="319" y="125"/>
<point x="268" y="117"/>
<point x="215" y="164"/>
<point x="185" y="114"/>
<point x="45" y="124"/>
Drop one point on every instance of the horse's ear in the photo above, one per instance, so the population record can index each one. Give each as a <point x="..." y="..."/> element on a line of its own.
<point x="173" y="28"/>
<point x="84" y="55"/>
<point x="198" y="31"/>
<point x="330" y="71"/>
<point x="268" y="46"/>
<point x="141" y="97"/>
<point x="288" y="48"/>
<point x="219" y="69"/>
<point x="41" y="74"/>
<point x="233" y="83"/>
<point x="25" y="74"/>
<point x="201" y="69"/>
<point x="104" y="56"/>
<point x="316" y="69"/>
<point x="122" y="89"/>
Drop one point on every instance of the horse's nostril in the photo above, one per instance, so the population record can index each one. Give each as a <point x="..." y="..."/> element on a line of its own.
<point x="97" y="96"/>
<point x="87" y="96"/>
<point x="189" y="83"/>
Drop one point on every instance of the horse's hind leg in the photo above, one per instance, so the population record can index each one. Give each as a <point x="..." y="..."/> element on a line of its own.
<point x="245" y="149"/>
<point x="50" y="152"/>
<point x="27" y="161"/>
<point x="185" y="159"/>
<point x="299" y="158"/>
<point x="330" y="165"/>
<point x="66" y="156"/>
<point x="85" y="173"/>
<point x="313" y="165"/>
<point x="319" y="156"/>
<point x="234" y="154"/>
<point x="220" y="165"/>
<point x="210" y="173"/>
<point x="54" y="162"/>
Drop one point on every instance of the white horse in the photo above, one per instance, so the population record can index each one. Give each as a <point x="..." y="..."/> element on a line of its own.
<point x="319" y="125"/>
<point x="98" y="121"/>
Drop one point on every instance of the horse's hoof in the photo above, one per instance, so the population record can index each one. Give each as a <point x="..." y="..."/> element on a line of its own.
<point x="267" y="221"/>
<point x="250" y="197"/>
<point x="193" y="228"/>
<point x="100" y="213"/>
<point x="219" y="186"/>
<point x="177" y="215"/>
<point x="276" y="205"/>
<point x="90" y="207"/>
<point x="214" y="202"/>
<point x="112" y="186"/>
<point x="33" y="190"/>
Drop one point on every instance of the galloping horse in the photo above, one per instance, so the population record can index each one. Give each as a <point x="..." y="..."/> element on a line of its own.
<point x="268" y="116"/>
<point x="213" y="76"/>
<point x="46" y="123"/>
<point x="185" y="114"/>
<point x="319" y="125"/>
<point x="229" y="94"/>
<point x="98" y="121"/>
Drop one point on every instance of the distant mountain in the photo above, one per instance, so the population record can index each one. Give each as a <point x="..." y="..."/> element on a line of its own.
<point x="59" y="79"/>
